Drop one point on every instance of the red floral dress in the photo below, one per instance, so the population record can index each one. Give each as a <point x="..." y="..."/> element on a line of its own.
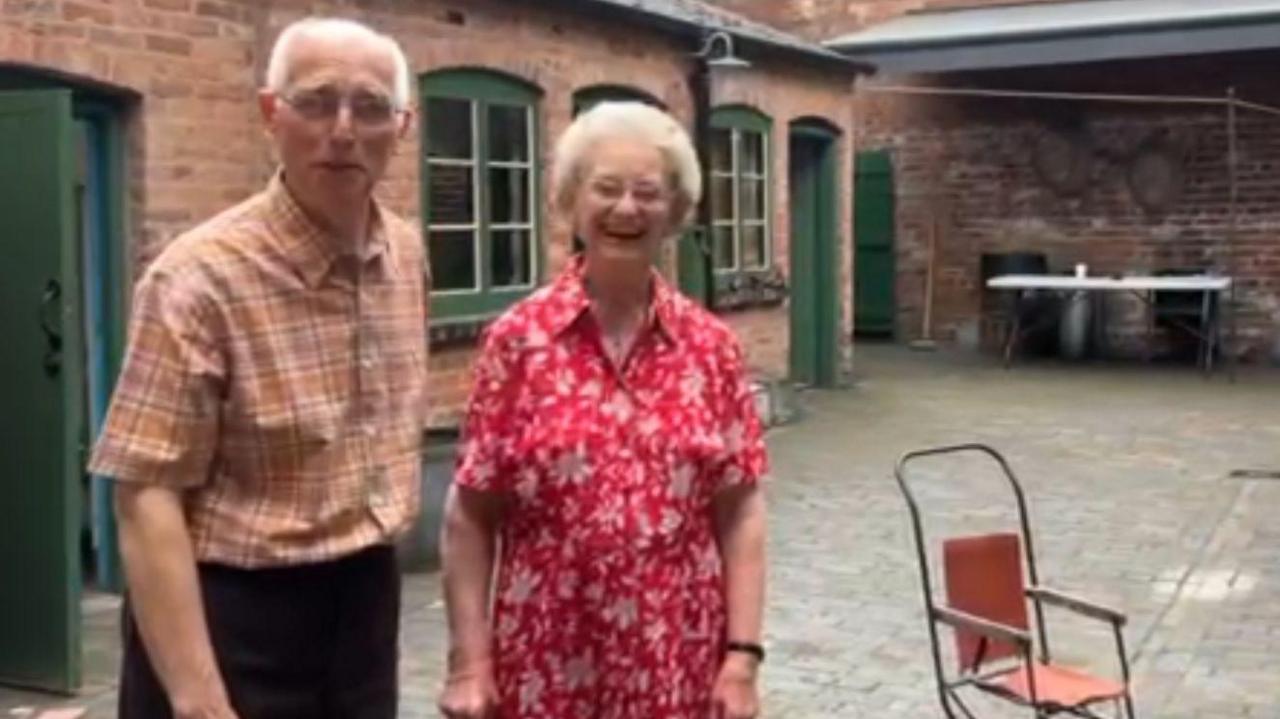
<point x="610" y="600"/>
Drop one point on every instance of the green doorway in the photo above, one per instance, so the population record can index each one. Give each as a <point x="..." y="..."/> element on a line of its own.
<point x="815" y="310"/>
<point x="61" y="203"/>
<point x="874" y="271"/>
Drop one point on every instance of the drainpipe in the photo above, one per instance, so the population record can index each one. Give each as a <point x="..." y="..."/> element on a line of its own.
<point x="699" y="82"/>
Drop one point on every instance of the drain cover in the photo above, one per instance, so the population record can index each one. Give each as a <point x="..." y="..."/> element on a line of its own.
<point x="1255" y="474"/>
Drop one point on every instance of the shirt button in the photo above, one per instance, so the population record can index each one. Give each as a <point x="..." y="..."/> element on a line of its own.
<point x="370" y="430"/>
<point x="367" y="362"/>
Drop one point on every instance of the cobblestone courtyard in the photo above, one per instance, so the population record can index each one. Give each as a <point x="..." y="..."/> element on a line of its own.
<point x="1127" y="472"/>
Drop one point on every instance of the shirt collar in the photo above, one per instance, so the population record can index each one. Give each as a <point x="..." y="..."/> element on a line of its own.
<point x="570" y="297"/>
<point x="310" y="249"/>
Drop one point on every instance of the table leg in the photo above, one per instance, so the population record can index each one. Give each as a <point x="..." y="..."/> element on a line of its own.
<point x="1151" y="325"/>
<point x="1014" y="329"/>
<point x="1204" y="355"/>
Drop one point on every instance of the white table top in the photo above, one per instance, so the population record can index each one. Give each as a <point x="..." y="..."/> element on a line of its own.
<point x="1184" y="283"/>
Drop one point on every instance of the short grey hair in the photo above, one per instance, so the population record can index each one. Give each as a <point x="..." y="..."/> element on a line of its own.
<point x="278" y="64"/>
<point x="630" y="119"/>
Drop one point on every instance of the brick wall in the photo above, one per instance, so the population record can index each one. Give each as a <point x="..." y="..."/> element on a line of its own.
<point x="971" y="162"/>
<point x="195" y="146"/>
<point x="196" y="143"/>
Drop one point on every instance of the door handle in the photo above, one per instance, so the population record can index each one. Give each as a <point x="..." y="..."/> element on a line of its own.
<point x="53" y="338"/>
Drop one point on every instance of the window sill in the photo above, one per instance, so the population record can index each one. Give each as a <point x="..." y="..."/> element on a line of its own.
<point x="448" y="332"/>
<point x="750" y="289"/>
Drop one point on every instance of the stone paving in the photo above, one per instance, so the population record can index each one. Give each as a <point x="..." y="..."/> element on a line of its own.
<point x="1127" y="472"/>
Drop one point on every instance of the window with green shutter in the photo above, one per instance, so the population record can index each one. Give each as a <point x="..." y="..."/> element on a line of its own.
<point x="480" y="191"/>
<point x="741" y="186"/>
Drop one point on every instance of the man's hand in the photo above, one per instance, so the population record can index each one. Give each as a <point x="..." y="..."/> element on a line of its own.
<point x="735" y="695"/>
<point x="210" y="704"/>
<point x="470" y="693"/>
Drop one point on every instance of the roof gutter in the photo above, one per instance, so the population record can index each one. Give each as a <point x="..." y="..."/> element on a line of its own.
<point x="696" y="32"/>
<point x="849" y="43"/>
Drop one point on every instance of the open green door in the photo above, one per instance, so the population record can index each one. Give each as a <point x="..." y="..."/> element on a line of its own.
<point x="40" y="417"/>
<point x="815" y="312"/>
<point x="873" y="266"/>
<point x="691" y="265"/>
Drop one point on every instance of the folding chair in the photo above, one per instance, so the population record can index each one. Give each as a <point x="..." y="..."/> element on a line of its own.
<point x="986" y="609"/>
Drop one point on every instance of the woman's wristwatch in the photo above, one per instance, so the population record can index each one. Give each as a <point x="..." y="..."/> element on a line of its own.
<point x="751" y="648"/>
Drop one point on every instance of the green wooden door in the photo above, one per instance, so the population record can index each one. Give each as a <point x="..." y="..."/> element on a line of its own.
<point x="692" y="258"/>
<point x="873" y="223"/>
<point x="814" y="307"/>
<point x="40" y="458"/>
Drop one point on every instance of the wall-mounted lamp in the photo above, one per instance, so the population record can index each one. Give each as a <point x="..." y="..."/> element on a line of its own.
<point x="726" y="59"/>
<point x="716" y="52"/>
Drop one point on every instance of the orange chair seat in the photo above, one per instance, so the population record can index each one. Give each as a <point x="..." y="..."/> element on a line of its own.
<point x="1057" y="685"/>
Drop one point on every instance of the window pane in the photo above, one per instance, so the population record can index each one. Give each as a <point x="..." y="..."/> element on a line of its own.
<point x="451" y="195"/>
<point x="753" y="247"/>
<point x="722" y="198"/>
<point x="449" y="128"/>
<point x="752" y="191"/>
<point x="722" y="247"/>
<point x="512" y="260"/>
<point x="752" y="148"/>
<point x="508" y="195"/>
<point x="722" y="150"/>
<point x="453" y="259"/>
<point x="508" y="133"/>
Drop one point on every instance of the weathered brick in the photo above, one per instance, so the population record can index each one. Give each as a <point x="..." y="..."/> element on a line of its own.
<point x="30" y="9"/>
<point x="77" y="12"/>
<point x="114" y="38"/>
<point x="168" y="44"/>
<point x="224" y="11"/>
<point x="168" y="5"/>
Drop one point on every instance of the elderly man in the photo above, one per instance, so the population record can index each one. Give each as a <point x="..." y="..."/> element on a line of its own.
<point x="265" y="431"/>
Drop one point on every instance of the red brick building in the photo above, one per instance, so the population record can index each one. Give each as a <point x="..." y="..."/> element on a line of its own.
<point x="1146" y="185"/>
<point x="125" y="122"/>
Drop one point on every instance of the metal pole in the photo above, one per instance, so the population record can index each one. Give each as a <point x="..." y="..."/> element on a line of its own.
<point x="1233" y="194"/>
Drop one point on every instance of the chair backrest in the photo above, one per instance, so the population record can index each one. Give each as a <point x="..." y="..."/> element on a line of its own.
<point x="984" y="578"/>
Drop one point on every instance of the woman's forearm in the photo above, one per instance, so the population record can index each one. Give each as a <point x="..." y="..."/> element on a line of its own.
<point x="467" y="557"/>
<point x="740" y="526"/>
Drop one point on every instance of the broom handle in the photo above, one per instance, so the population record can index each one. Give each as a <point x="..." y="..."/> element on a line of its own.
<point x="927" y="320"/>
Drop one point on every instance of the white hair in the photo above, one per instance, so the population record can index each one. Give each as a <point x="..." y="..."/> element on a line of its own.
<point x="634" y="120"/>
<point x="339" y="29"/>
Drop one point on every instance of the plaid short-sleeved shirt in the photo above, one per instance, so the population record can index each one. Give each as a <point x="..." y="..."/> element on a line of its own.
<point x="279" y="384"/>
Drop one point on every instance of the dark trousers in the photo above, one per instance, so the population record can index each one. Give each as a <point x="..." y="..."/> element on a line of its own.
<point x="317" y="641"/>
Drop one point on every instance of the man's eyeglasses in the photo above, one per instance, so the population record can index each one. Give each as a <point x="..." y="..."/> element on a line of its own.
<point x="367" y="109"/>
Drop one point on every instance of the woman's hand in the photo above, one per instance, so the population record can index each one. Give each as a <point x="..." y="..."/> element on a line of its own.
<point x="470" y="693"/>
<point x="735" y="695"/>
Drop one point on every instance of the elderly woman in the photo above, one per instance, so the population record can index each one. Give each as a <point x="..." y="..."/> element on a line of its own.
<point x="613" y="448"/>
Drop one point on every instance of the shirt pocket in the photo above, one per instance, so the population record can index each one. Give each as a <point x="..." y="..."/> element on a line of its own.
<point x="298" y="425"/>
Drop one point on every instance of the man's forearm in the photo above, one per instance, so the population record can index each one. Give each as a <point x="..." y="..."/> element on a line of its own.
<point x="164" y="596"/>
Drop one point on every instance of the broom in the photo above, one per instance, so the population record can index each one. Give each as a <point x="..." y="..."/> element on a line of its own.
<point x="925" y="342"/>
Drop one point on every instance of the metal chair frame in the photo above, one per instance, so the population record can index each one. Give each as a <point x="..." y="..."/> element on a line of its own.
<point x="948" y="690"/>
